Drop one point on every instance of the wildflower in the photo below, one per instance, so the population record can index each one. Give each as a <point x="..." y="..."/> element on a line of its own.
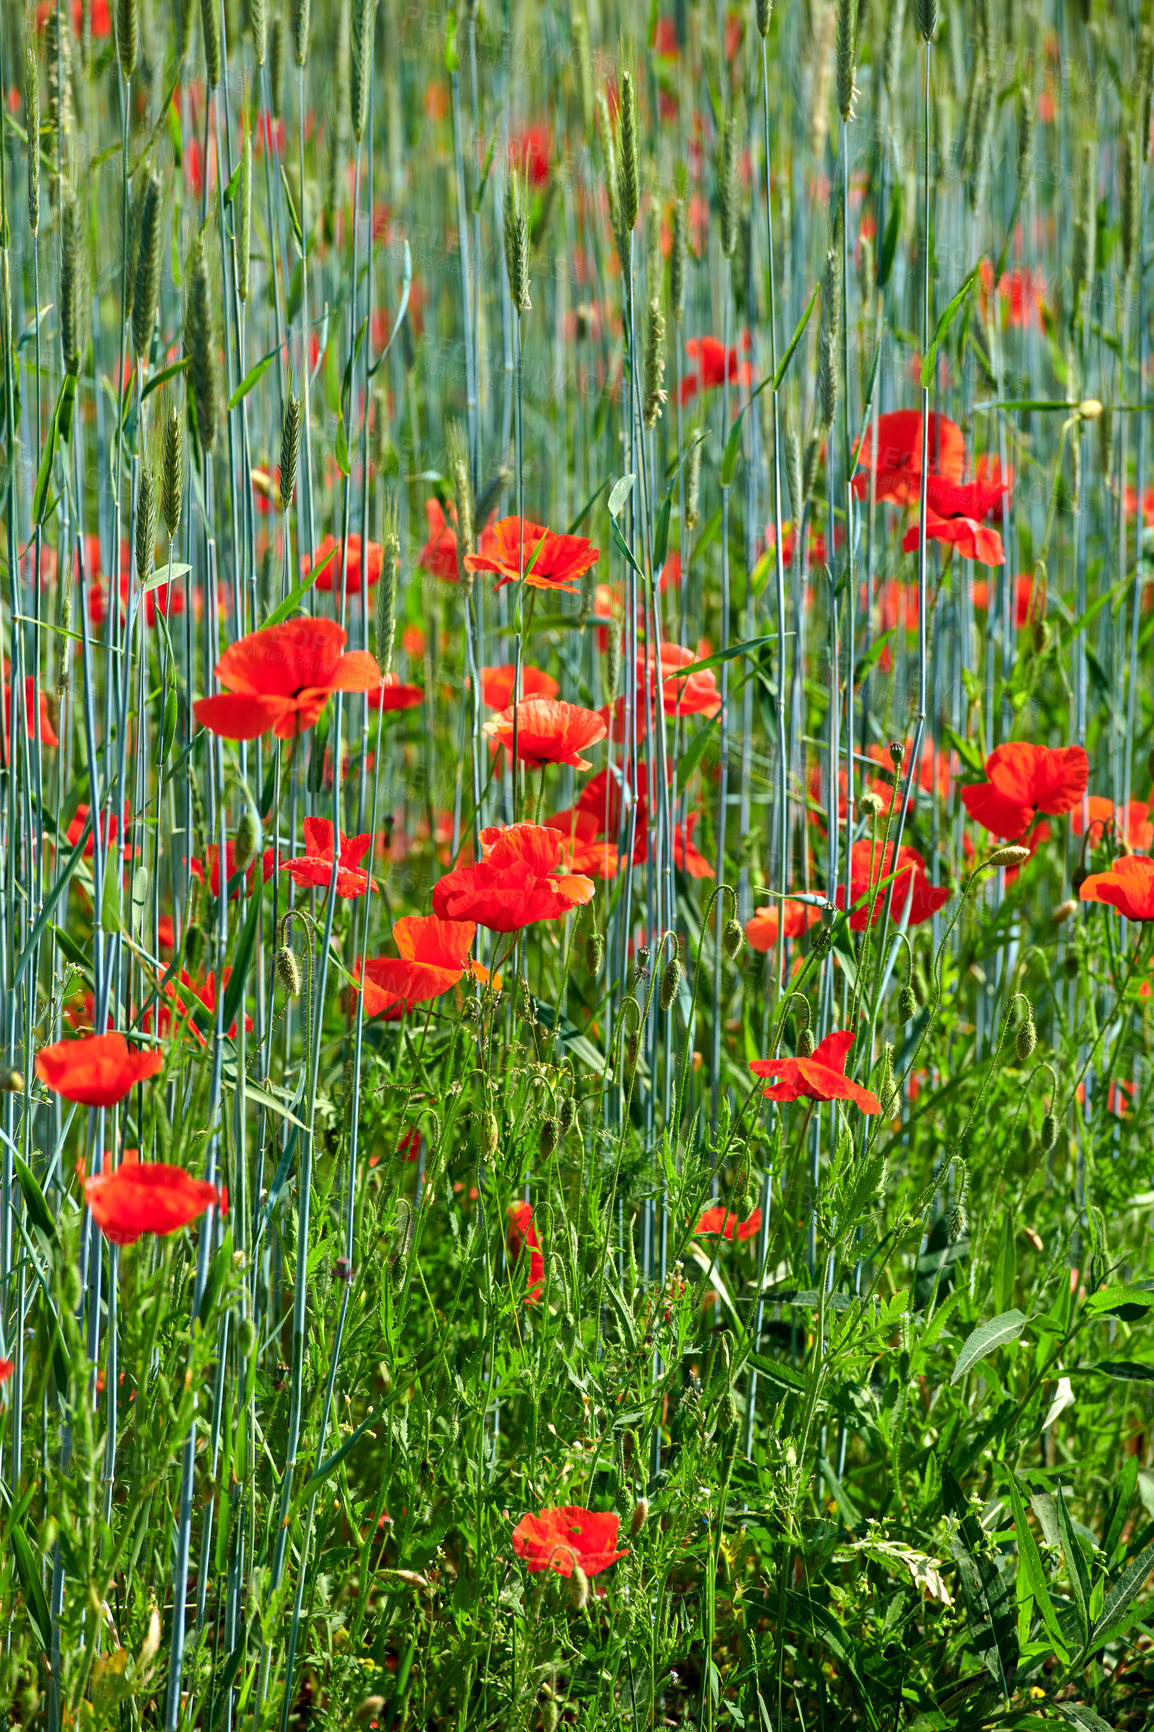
<point x="870" y="862"/>
<point x="1128" y="886"/>
<point x="328" y="557"/>
<point x="1023" y="599"/>
<point x="497" y="685"/>
<point x="521" y="1236"/>
<point x="686" y="857"/>
<point x="1135" y="822"/>
<point x="315" y="866"/>
<point x="434" y="956"/>
<point x="693" y="694"/>
<point x="558" y="1539"/>
<point x="713" y="364"/>
<point x="205" y="995"/>
<point x="721" y="1222"/>
<point x="529" y="154"/>
<point x="552" y="562"/>
<point x="973" y="540"/>
<point x="208" y="870"/>
<point x="762" y="927"/>
<point x="515" y="883"/>
<point x="818" y="1078"/>
<point x="107" y="824"/>
<point x="439" y="554"/>
<point x="97" y="1070"/>
<point x="585" y="850"/>
<point x="48" y="734"/>
<point x="548" y="732"/>
<point x="1024" y="779"/>
<point x="393" y="694"/>
<point x="899" y="455"/>
<point x="147" y="1197"/>
<point x="279" y="680"/>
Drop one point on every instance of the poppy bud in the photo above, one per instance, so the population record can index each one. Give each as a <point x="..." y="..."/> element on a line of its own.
<point x="1012" y="855"/>
<point x="1077" y="878"/>
<point x="800" y="1012"/>
<point x="246" y="1337"/>
<point x="1089" y="408"/>
<point x="370" y="1708"/>
<point x="639" y="1517"/>
<point x="289" y="970"/>
<point x="805" y="1042"/>
<point x="1049" y="1132"/>
<point x="828" y="915"/>
<point x="907" y="1003"/>
<point x="897" y="753"/>
<point x="398" y="1269"/>
<point x="958" y="1224"/>
<point x="565" y="1117"/>
<point x="632" y="1047"/>
<point x="594" y="953"/>
<point x="1027" y="1040"/>
<point x="247" y="839"/>
<point x="193" y="939"/>
<point x="1064" y="911"/>
<point x="547" y="1140"/>
<point x="732" y="939"/>
<point x="869" y="804"/>
<point x="489" y="1136"/>
<point x="11" y="1080"/>
<point x="728" y="1421"/>
<point x="1097" y="1271"/>
<point x="578" y="1588"/>
<point x="1040" y="636"/>
<point x="70" y="1286"/>
<point x="670" y="982"/>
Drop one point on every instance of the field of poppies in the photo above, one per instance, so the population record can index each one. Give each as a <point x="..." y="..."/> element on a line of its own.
<point x="576" y="866"/>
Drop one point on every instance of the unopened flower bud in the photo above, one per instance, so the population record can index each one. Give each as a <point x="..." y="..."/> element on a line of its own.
<point x="632" y="1047"/>
<point x="732" y="939"/>
<point x="670" y="983"/>
<point x="1026" y="1041"/>
<point x="489" y="1136"/>
<point x="11" y="1080"/>
<point x="565" y="1117"/>
<point x="907" y="1003"/>
<point x="371" y="1708"/>
<point x="639" y="1517"/>
<point x="897" y="753"/>
<point x="869" y="804"/>
<point x="578" y="1588"/>
<point x="805" y="1043"/>
<point x="1012" y="855"/>
<point x="547" y="1138"/>
<point x="1040" y="636"/>
<point x="800" y="1012"/>
<point x="958" y="1224"/>
<point x="594" y="953"/>
<point x="193" y="941"/>
<point x="289" y="970"/>
<point x="247" y="840"/>
<point x="398" y="1269"/>
<point x="246" y="1337"/>
<point x="728" y="1421"/>
<point x="1049" y="1132"/>
<point x="1065" y="910"/>
<point x="1089" y="408"/>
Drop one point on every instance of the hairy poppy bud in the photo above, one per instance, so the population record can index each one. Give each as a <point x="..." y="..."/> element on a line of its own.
<point x="897" y="753"/>
<point x="398" y="1269"/>
<point x="246" y="1337"/>
<point x="594" y="953"/>
<point x="11" y="1080"/>
<point x="1064" y="911"/>
<point x="1026" y="1041"/>
<point x="247" y="839"/>
<point x="371" y="1708"/>
<point x="958" y="1224"/>
<point x="1012" y="855"/>
<point x="907" y="1003"/>
<point x="1089" y="408"/>
<point x="732" y="939"/>
<point x="289" y="970"/>
<point x="547" y="1138"/>
<point x="639" y="1517"/>
<point x="565" y="1117"/>
<point x="728" y="1421"/>
<point x="489" y="1136"/>
<point x="1040" y="636"/>
<point x="869" y="804"/>
<point x="1049" y="1132"/>
<point x="800" y="1012"/>
<point x="193" y="941"/>
<point x="578" y="1588"/>
<point x="805" y="1042"/>
<point x="670" y="982"/>
<point x="632" y="1047"/>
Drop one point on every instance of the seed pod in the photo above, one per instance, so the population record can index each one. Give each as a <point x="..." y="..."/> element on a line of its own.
<point x="32" y="121"/>
<point x="926" y="12"/>
<point x="172" y="473"/>
<point x="11" y="1080"/>
<point x="1065" y="911"/>
<point x="678" y="248"/>
<point x="655" y="393"/>
<point x="727" y="185"/>
<point x="248" y="839"/>
<point x="547" y="1136"/>
<point x="1049" y="1132"/>
<point x="244" y="221"/>
<point x="289" y="970"/>
<point x="670" y="983"/>
<point x="897" y="754"/>
<point x="258" y="24"/>
<point x="805" y="1043"/>
<point x="732" y="939"/>
<point x="146" y="280"/>
<point x="126" y="37"/>
<point x="210" y="36"/>
<point x="827" y="343"/>
<point x="957" y="1223"/>
<point x="290" y="444"/>
<point x="489" y="1136"/>
<point x="628" y="174"/>
<point x="565" y="1117"/>
<point x="907" y="1003"/>
<point x="594" y="953"/>
<point x="370" y="1708"/>
<point x="71" y="283"/>
<point x="360" y="87"/>
<point x="146" y="505"/>
<point x="200" y="346"/>
<point x="847" y="19"/>
<point x="1026" y="1039"/>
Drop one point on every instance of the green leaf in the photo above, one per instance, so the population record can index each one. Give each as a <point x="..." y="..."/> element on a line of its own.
<point x="1126" y="1370"/>
<point x="929" y="359"/>
<point x="292" y="210"/>
<point x="1075" y="1565"/>
<point x="695" y="751"/>
<point x="733" y="443"/>
<point x="1124" y="1588"/>
<point x="296" y="595"/>
<point x="872" y="655"/>
<point x="622" y="488"/>
<point x="234" y="991"/>
<point x="162" y="378"/>
<point x="1113" y="1298"/>
<point x="44" y="918"/>
<point x="251" y="378"/>
<point x="38" y="1210"/>
<point x="890" y="238"/>
<point x="727" y="655"/>
<point x="40" y="496"/>
<point x="329" y="1466"/>
<point x="451" y="61"/>
<point x="988" y="1336"/>
<point x="215" y="1280"/>
<point x="587" y="508"/>
<point x="230" y="190"/>
<point x="1030" y="1560"/>
<point x="342" y="449"/>
<point x="29" y="1573"/>
<point x="783" y="364"/>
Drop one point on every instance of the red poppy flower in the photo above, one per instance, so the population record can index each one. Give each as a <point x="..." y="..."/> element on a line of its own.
<point x="515" y="883"/>
<point x="521" y="1236"/>
<point x="1024" y="779"/>
<point x="870" y="862"/>
<point x="328" y="555"/>
<point x="818" y="1078"/>
<point x="817" y="548"/>
<point x="556" y="1539"/>
<point x="548" y="732"/>
<point x="899" y="455"/>
<point x="1023" y="599"/>
<point x="391" y="693"/>
<point x="1130" y="505"/>
<point x="664" y="41"/>
<point x="560" y="561"/>
<point x="314" y="868"/>
<point x="439" y="554"/>
<point x="497" y="685"/>
<point x="585" y="850"/>
<point x="208" y="870"/>
<point x="434" y="955"/>
<point x="977" y="499"/>
<point x="972" y="539"/>
<point x="685" y="856"/>
<point x="1104" y="817"/>
<point x="762" y="927"/>
<point x="147" y="1197"/>
<point x="1025" y="293"/>
<point x="6" y="1368"/>
<point x="713" y="363"/>
<point x="97" y="1070"/>
<point x="529" y="154"/>
<point x="722" y="1222"/>
<point x="280" y="679"/>
<point x="693" y="694"/>
<point x="48" y="734"/>
<point x="109" y="827"/>
<point x="1128" y="886"/>
<point x="205" y="994"/>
